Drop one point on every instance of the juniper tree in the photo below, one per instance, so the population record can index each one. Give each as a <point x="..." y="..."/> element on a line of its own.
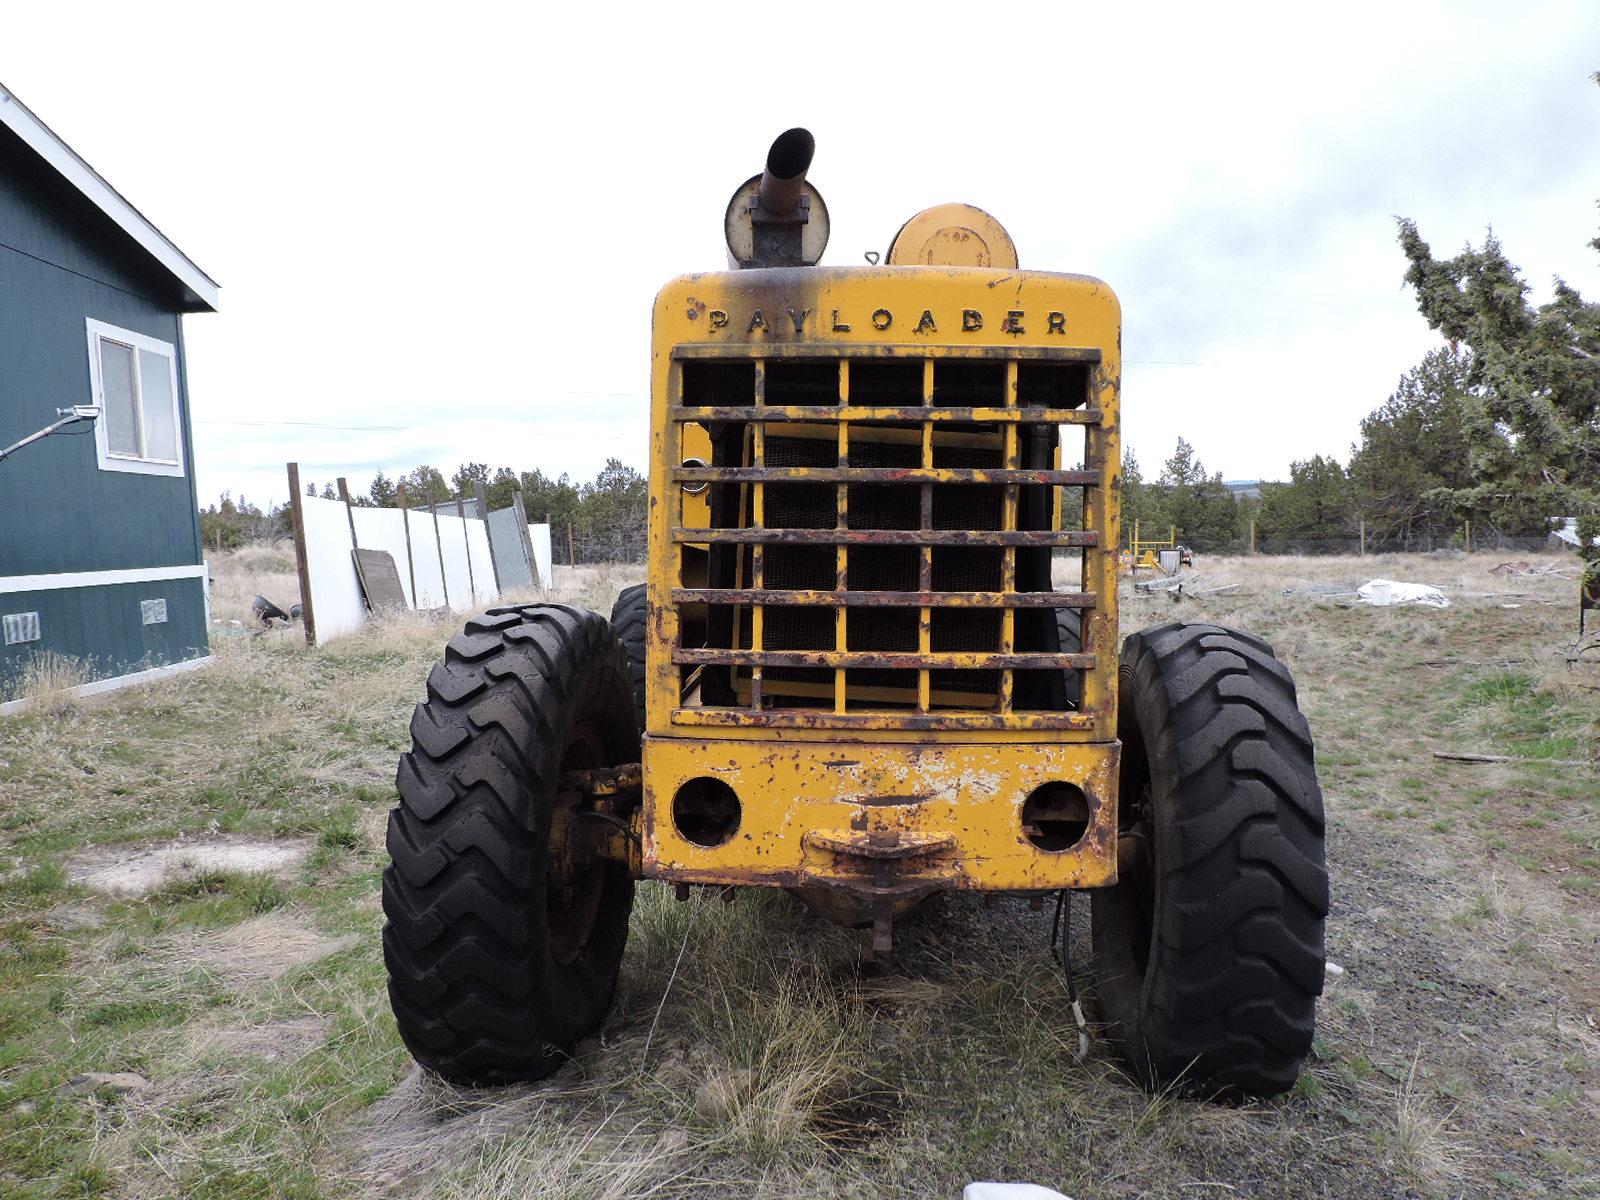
<point x="1314" y="504"/>
<point x="1414" y="456"/>
<point x="1533" y="424"/>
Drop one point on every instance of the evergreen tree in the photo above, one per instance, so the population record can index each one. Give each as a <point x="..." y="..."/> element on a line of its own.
<point x="467" y="478"/>
<point x="1201" y="508"/>
<point x="425" y="481"/>
<point x="1143" y="504"/>
<point x="1414" y="458"/>
<point x="382" y="491"/>
<point x="616" y="505"/>
<point x="1315" y="504"/>
<point x="556" y="499"/>
<point x="502" y="488"/>
<point x="1532" y="424"/>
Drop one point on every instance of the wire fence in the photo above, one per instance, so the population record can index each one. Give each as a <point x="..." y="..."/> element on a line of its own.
<point x="1427" y="544"/>
<point x="573" y="545"/>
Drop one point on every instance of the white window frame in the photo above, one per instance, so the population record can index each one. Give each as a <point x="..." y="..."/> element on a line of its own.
<point x="138" y="464"/>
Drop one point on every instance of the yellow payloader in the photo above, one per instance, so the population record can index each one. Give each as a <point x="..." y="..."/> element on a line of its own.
<point x="877" y="658"/>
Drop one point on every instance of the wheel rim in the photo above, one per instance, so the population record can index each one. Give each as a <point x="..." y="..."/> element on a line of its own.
<point x="572" y="897"/>
<point x="1136" y="861"/>
<point x="1136" y="869"/>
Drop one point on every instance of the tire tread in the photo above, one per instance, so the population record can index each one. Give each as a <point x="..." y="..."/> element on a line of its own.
<point x="461" y="886"/>
<point x="1236" y="962"/>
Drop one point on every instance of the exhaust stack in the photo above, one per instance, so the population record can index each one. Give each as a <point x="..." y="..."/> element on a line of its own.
<point x="777" y="219"/>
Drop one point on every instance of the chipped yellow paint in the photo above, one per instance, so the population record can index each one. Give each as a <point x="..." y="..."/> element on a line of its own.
<point x="830" y="778"/>
<point x="964" y="800"/>
<point x="695" y="510"/>
<point x="953" y="235"/>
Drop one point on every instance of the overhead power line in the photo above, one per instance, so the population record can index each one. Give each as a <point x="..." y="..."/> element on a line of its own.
<point x="320" y="425"/>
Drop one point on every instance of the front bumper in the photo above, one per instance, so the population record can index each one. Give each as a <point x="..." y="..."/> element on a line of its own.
<point x="880" y="821"/>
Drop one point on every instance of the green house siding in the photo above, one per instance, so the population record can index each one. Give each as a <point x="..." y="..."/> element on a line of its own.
<point x="101" y="628"/>
<point x="62" y="265"/>
<point x="63" y="513"/>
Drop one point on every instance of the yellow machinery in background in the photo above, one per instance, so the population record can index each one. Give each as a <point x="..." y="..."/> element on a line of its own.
<point x="1145" y="553"/>
<point x="852" y="674"/>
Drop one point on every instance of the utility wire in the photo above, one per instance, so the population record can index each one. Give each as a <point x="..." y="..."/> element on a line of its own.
<point x="320" y="425"/>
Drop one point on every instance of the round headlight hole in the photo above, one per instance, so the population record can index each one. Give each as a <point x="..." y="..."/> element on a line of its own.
<point x="706" y="811"/>
<point x="1055" y="816"/>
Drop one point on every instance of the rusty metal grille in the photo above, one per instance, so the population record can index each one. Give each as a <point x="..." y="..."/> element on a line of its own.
<point x="882" y="537"/>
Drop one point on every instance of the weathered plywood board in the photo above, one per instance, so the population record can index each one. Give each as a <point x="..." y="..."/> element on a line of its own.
<point x="380" y="580"/>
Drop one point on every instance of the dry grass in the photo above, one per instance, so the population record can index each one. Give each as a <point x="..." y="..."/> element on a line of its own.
<point x="1423" y="1145"/>
<point x="598" y="1163"/>
<point x="47" y="682"/>
<point x="1456" y="1057"/>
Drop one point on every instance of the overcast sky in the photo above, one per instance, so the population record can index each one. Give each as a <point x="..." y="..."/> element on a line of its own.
<point x="438" y="231"/>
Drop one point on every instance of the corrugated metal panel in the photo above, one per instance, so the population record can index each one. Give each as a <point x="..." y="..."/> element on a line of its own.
<point x="508" y="543"/>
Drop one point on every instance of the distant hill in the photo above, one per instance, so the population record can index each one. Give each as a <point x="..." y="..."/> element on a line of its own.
<point x="1243" y="489"/>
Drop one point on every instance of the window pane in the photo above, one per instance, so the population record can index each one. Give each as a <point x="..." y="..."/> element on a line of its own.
<point x="155" y="386"/>
<point x="116" y="382"/>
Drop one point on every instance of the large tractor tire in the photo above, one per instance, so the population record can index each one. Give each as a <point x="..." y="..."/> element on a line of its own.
<point x="629" y="616"/>
<point x="1069" y="636"/>
<point x="1209" y="949"/>
<point x="503" y="948"/>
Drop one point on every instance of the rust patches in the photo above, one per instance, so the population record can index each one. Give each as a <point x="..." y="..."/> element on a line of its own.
<point x="883" y="475"/>
<point x="865" y="599"/>
<point x="956" y="722"/>
<point x="892" y="537"/>
<point x="624" y="780"/>
<point x="885" y="660"/>
<point x="880" y="414"/>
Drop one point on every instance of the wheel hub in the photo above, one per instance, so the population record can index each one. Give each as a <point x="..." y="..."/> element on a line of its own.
<point x="574" y="878"/>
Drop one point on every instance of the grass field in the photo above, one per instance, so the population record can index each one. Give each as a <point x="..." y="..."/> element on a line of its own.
<point x="240" y="1023"/>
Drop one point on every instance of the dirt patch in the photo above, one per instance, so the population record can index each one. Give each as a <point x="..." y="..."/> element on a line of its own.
<point x="128" y="872"/>
<point x="70" y="917"/>
<point x="258" y="949"/>
<point x="426" y="1124"/>
<point x="276" y="1041"/>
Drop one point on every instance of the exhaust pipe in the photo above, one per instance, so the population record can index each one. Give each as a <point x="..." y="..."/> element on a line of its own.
<point x="785" y="176"/>
<point x="776" y="218"/>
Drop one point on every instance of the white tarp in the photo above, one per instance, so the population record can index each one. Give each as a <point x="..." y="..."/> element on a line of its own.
<point x="336" y="601"/>
<point x="1386" y="592"/>
<point x="1010" y="1191"/>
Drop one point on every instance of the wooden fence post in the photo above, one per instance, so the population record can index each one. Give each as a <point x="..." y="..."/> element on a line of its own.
<point x="405" y="517"/>
<point x="472" y="584"/>
<point x="438" y="541"/>
<point x="1363" y="537"/>
<point x="1252" y="535"/>
<point x="349" y="512"/>
<point x="297" y="516"/>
